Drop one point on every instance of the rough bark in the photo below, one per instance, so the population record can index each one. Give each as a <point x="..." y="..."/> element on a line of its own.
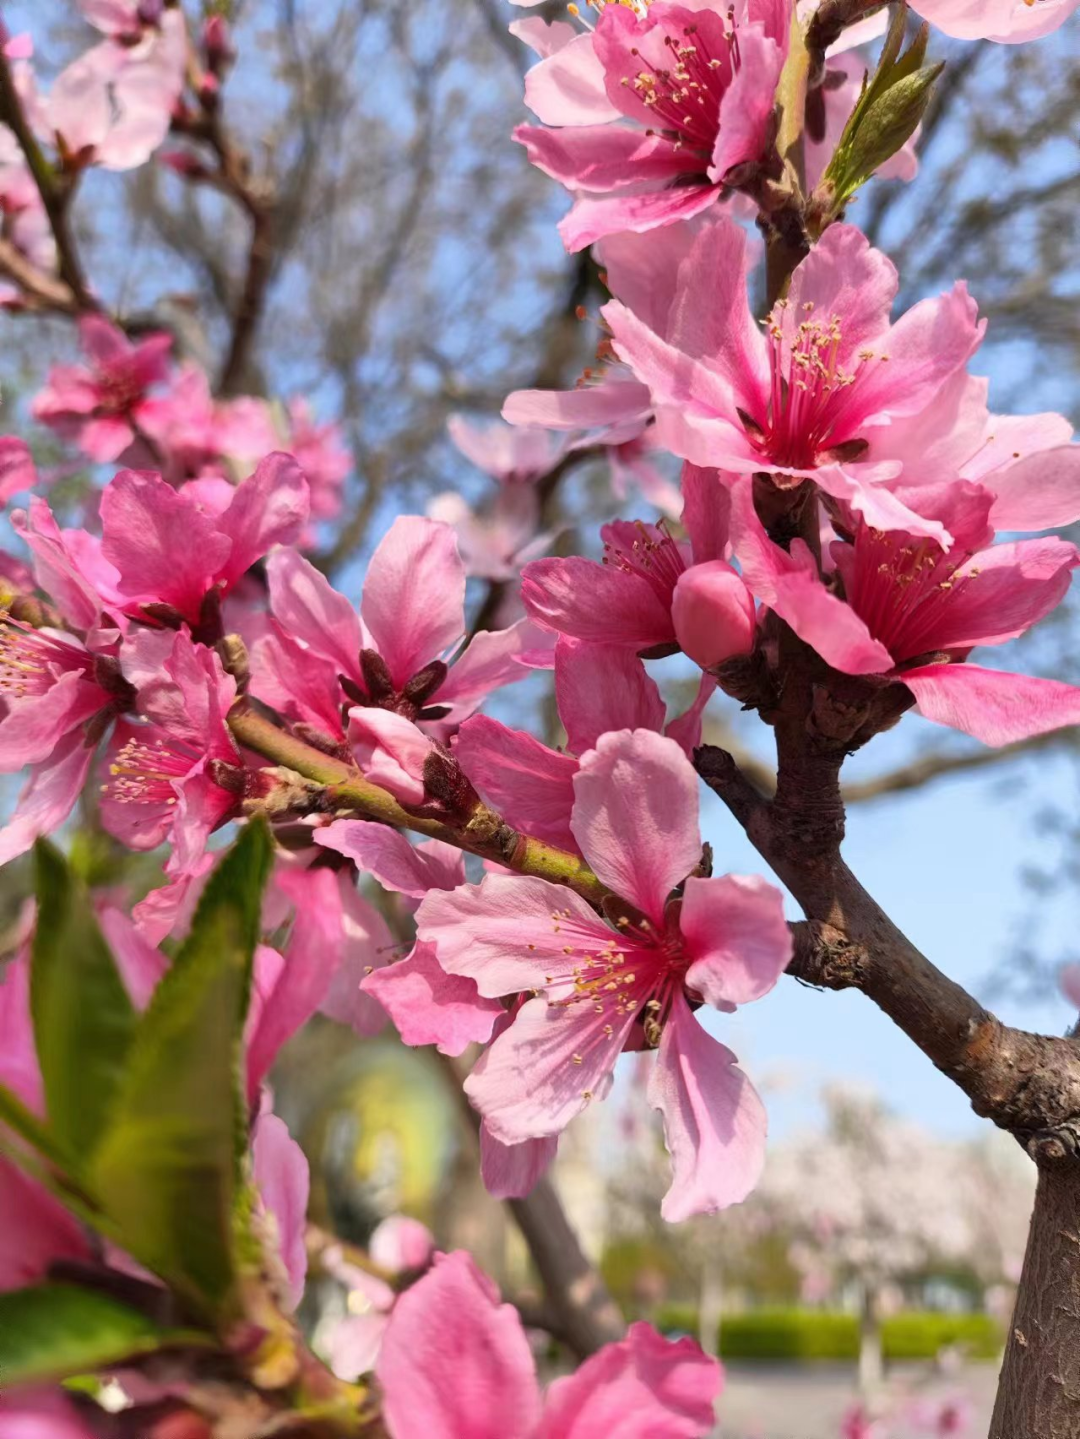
<point x="1039" y="1392"/>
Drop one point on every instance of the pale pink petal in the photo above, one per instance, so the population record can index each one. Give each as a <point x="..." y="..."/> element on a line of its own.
<point x="992" y="705"/>
<point x="387" y="855"/>
<point x="530" y="785"/>
<point x="352" y="1344"/>
<point x="747" y="106"/>
<point x="735" y="931"/>
<point x="864" y="488"/>
<point x="368" y="946"/>
<point x="600" y="688"/>
<point x="685" y="729"/>
<point x="140" y="963"/>
<point x="644" y="1387"/>
<point x="636" y="816"/>
<point x="567" y="88"/>
<point x="510" y="1171"/>
<point x="592" y="218"/>
<point x="612" y="401"/>
<point x="1009" y="21"/>
<point x="546" y="1067"/>
<point x="601" y="157"/>
<point x="307" y="606"/>
<point x="430" y="1006"/>
<point x="281" y="1174"/>
<point x="269" y="508"/>
<point x="1038" y="492"/>
<point x="714" y="1120"/>
<point x="473" y="1378"/>
<point x="48" y="797"/>
<point x="391" y="751"/>
<point x="595" y="602"/>
<point x="511" y="933"/>
<point x="414" y="595"/>
<point x="843" y="275"/>
<point x="543" y="38"/>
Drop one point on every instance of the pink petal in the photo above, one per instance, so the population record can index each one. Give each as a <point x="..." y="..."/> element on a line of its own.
<point x="165" y="550"/>
<point x="19" y="1069"/>
<point x="601" y="157"/>
<point x="368" y="946"/>
<point x="992" y="705"/>
<point x="1008" y="21"/>
<point x="35" y="1230"/>
<point x="542" y="37"/>
<point x="430" y="1006"/>
<point x="592" y="218"/>
<point x="510" y="933"/>
<point x="281" y="1174"/>
<point x="491" y="659"/>
<point x="685" y="729"/>
<point x="706" y="515"/>
<point x="473" y="1378"/>
<point x="636" y="816"/>
<point x="567" y="88"/>
<point x="600" y="688"/>
<point x="55" y="566"/>
<point x="644" y="1387"/>
<point x="747" y="105"/>
<point x="1038" y="492"/>
<point x="595" y="602"/>
<point x="510" y="1171"/>
<point x="33" y="726"/>
<point x="864" y="488"/>
<point x="306" y="605"/>
<point x="547" y="1066"/>
<point x="140" y="963"/>
<point x="48" y="797"/>
<point x="530" y="785"/>
<point x="610" y="402"/>
<point x="414" y="595"/>
<point x="269" y="508"/>
<point x="845" y="276"/>
<point x="714" y="1120"/>
<point x="295" y="681"/>
<point x="734" y="928"/>
<point x="400" y="1244"/>
<point x="387" y="855"/>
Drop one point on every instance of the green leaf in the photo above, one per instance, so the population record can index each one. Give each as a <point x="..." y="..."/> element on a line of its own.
<point x="168" y="1169"/>
<point x="83" y="1018"/>
<point x="55" y="1330"/>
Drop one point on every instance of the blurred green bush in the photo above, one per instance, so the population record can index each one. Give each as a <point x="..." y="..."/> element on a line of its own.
<point x="808" y="1335"/>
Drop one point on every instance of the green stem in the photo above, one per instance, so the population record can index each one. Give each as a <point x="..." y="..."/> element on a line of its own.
<point x="484" y="833"/>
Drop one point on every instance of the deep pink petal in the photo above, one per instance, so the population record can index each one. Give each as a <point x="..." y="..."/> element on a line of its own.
<point x="34" y="725"/>
<point x="600" y="688"/>
<point x="510" y="1171"/>
<point x="993" y="705"/>
<point x="595" y="602"/>
<point x="644" y="1387"/>
<point x="414" y="595"/>
<point x="706" y="514"/>
<point x="531" y="786"/>
<point x="430" y="1006"/>
<point x="35" y="1230"/>
<point x="17" y="468"/>
<point x="714" y="1120"/>
<point x="281" y="1174"/>
<point x="734" y="928"/>
<point x="295" y="681"/>
<point x="636" y="816"/>
<point x="714" y="614"/>
<point x="547" y="1066"/>
<point x="511" y="933"/>
<point x="472" y="1378"/>
<point x="387" y="854"/>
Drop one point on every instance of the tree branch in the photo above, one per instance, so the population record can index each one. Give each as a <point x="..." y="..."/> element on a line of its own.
<point x="938" y="763"/>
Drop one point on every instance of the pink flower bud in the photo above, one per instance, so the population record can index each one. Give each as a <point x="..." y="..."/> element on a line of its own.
<point x="400" y="1244"/>
<point x="391" y="751"/>
<point x="713" y="613"/>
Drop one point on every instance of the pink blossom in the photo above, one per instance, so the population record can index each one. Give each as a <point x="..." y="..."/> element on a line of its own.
<point x="944" y="1418"/>
<point x="320" y="452"/>
<point x="646" y="116"/>
<point x="808" y="397"/>
<point x="401" y="1245"/>
<point x="1008" y="21"/>
<point x="598" y="688"/>
<point x="40" y="1414"/>
<point x="174" y="773"/>
<point x="96" y="406"/>
<point x="601" y="989"/>
<point x="17" y="468"/>
<point x="859" y="1423"/>
<point x="476" y="1379"/>
<point x="177" y="547"/>
<point x="26" y="220"/>
<point x="200" y="435"/>
<point x="912" y="612"/>
<point x="511" y="454"/>
<point x="495" y="539"/>
<point x="398" y="653"/>
<point x="113" y="105"/>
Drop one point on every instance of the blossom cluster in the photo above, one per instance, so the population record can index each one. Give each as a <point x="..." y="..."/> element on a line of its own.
<point x="177" y="660"/>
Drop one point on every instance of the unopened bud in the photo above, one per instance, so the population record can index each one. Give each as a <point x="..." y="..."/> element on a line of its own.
<point x="713" y="613"/>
